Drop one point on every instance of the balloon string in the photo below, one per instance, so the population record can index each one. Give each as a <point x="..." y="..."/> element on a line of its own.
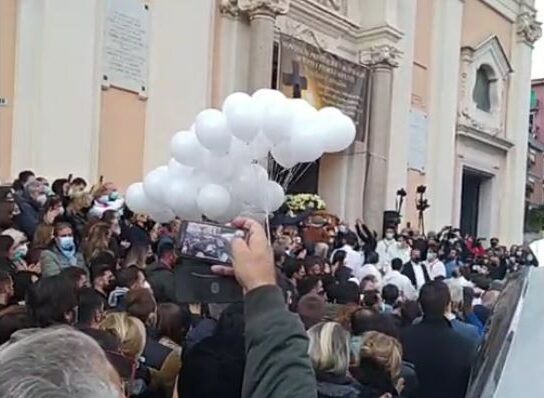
<point x="268" y="230"/>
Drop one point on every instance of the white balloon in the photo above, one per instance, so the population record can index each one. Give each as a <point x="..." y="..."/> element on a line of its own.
<point x="300" y="107"/>
<point x="180" y="195"/>
<point x="186" y="149"/>
<point x="250" y="180"/>
<point x="220" y="168"/>
<point x="154" y="183"/>
<point x="233" y="211"/>
<point x="178" y="170"/>
<point x="306" y="145"/>
<point x="162" y="216"/>
<point x="213" y="200"/>
<point x="277" y="121"/>
<point x="265" y="96"/>
<point x="136" y="198"/>
<point x="242" y="115"/>
<point x="272" y="197"/>
<point x="260" y="147"/>
<point x="239" y="151"/>
<point x="212" y="131"/>
<point x="336" y="130"/>
<point x="283" y="154"/>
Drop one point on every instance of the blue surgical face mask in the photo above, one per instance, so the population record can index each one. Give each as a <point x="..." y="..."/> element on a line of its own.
<point x="104" y="199"/>
<point x="66" y="243"/>
<point x="114" y="195"/>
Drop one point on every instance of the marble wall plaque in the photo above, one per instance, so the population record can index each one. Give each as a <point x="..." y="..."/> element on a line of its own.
<point x="126" y="45"/>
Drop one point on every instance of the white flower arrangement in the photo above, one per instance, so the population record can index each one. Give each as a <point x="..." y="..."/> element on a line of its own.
<point x="305" y="201"/>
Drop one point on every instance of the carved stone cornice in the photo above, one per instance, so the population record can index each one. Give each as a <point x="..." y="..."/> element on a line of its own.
<point x="528" y="28"/>
<point x="382" y="55"/>
<point x="270" y="8"/>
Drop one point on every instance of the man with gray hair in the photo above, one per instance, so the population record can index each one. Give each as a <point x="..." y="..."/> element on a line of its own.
<point x="56" y="363"/>
<point x="30" y="202"/>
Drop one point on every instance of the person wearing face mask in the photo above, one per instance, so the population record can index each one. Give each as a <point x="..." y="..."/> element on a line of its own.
<point x="452" y="263"/>
<point x="13" y="251"/>
<point x="30" y="203"/>
<point x="161" y="274"/>
<point x="62" y="252"/>
<point x="436" y="268"/>
<point x="106" y="197"/>
<point x="403" y="249"/>
<point x="387" y="249"/>
<point x="102" y="280"/>
<point x="416" y="270"/>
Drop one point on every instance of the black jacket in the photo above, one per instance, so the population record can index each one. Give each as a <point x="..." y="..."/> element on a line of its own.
<point x="442" y="358"/>
<point x="213" y="368"/>
<point x="408" y="270"/>
<point x="161" y="279"/>
<point x="329" y="386"/>
<point x="29" y="218"/>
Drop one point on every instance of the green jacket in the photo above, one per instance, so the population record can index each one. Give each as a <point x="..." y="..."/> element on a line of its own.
<point x="277" y="361"/>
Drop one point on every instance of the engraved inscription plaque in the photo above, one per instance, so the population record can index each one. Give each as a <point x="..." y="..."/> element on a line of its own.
<point x="126" y="45"/>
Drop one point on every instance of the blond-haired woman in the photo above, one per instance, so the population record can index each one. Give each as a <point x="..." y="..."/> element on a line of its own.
<point x="380" y="361"/>
<point x="329" y="351"/>
<point x="97" y="240"/>
<point x="130" y="332"/>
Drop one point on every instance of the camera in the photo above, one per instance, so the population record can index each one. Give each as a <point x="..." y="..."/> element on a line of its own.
<point x="421" y="189"/>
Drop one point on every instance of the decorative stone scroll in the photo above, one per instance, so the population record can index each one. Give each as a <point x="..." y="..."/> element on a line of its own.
<point x="528" y="28"/>
<point x="386" y="55"/>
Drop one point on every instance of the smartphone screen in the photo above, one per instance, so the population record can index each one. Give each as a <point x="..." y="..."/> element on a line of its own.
<point x="208" y="242"/>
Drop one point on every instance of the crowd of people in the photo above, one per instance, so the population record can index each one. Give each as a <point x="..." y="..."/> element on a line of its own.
<point x="88" y="305"/>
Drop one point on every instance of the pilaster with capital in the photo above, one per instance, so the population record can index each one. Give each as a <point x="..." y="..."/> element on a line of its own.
<point x="382" y="60"/>
<point x="528" y="30"/>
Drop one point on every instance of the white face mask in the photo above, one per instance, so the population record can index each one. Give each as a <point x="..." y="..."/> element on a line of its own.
<point x="389" y="236"/>
<point x="41" y="199"/>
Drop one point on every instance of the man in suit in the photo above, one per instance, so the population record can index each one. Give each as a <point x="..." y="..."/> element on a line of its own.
<point x="441" y="355"/>
<point x="416" y="270"/>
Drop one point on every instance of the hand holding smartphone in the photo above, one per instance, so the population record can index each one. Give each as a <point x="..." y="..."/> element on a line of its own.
<point x="202" y="245"/>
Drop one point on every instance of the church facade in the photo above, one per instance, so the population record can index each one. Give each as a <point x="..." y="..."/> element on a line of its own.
<point x="442" y="89"/>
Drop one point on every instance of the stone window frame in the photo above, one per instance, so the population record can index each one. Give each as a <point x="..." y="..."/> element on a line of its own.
<point x="491" y="56"/>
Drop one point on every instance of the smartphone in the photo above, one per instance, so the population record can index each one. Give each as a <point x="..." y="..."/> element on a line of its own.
<point x="70" y="176"/>
<point x="210" y="243"/>
<point x="200" y="246"/>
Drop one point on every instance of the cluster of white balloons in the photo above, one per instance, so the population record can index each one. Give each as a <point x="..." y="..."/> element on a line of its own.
<point x="215" y="169"/>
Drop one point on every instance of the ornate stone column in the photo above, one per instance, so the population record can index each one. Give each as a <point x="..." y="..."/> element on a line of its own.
<point x="262" y="15"/>
<point x="382" y="59"/>
<point x="528" y="31"/>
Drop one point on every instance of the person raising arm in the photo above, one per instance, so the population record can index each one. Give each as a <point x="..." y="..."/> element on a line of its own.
<point x="277" y="361"/>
